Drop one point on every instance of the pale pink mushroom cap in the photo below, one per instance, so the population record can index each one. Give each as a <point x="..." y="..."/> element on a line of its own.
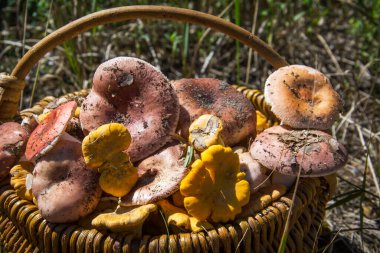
<point x="48" y="132"/>
<point x="314" y="152"/>
<point x="64" y="187"/>
<point x="159" y="176"/>
<point x="211" y="96"/>
<point x="132" y="92"/>
<point x="13" y="138"/>
<point x="302" y="97"/>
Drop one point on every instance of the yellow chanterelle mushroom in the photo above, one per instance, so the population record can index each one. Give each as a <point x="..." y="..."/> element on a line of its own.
<point x="103" y="149"/>
<point x="127" y="220"/>
<point x="104" y="144"/>
<point x="21" y="180"/>
<point x="215" y="188"/>
<point x="205" y="131"/>
<point x="178" y="218"/>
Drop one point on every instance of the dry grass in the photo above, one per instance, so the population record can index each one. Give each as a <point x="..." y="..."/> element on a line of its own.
<point x="324" y="40"/>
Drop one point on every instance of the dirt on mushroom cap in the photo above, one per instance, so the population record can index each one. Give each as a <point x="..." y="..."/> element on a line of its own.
<point x="314" y="152"/>
<point x="13" y="140"/>
<point x="132" y="92"/>
<point x="64" y="187"/>
<point x="159" y="176"/>
<point x="302" y="97"/>
<point x="211" y="96"/>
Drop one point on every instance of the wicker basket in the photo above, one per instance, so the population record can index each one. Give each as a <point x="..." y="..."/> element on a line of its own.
<point x="24" y="230"/>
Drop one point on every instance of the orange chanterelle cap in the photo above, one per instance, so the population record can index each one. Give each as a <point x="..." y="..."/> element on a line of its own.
<point x="302" y="97"/>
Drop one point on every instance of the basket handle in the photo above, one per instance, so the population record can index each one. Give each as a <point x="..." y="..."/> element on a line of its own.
<point x="121" y="14"/>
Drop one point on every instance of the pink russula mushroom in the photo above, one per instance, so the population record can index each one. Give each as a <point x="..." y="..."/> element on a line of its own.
<point x="48" y="132"/>
<point x="132" y="92"/>
<point x="287" y="151"/>
<point x="64" y="187"/>
<point x="13" y="138"/>
<point x="159" y="176"/>
<point x="302" y="97"/>
<point x="211" y="96"/>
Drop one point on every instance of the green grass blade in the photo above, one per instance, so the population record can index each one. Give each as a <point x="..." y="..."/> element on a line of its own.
<point x="353" y="195"/>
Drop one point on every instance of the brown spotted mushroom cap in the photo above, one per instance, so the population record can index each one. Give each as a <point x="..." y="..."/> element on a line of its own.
<point x="314" y="152"/>
<point x="132" y="92"/>
<point x="302" y="97"/>
<point x="64" y="187"/>
<point x="211" y="96"/>
<point x="13" y="138"/>
<point x="159" y="176"/>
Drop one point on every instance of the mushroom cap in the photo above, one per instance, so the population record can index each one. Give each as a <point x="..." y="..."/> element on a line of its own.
<point x="284" y="150"/>
<point x="64" y="187"/>
<point x="211" y="96"/>
<point x="159" y="176"/>
<point x="125" y="219"/>
<point x="104" y="144"/>
<point x="48" y="132"/>
<point x="132" y="92"/>
<point x="215" y="188"/>
<point x="302" y="97"/>
<point x="13" y="140"/>
<point x="205" y="131"/>
<point x="254" y="172"/>
<point x="118" y="181"/>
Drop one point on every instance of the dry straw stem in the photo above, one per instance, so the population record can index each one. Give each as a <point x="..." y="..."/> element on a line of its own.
<point x="370" y="164"/>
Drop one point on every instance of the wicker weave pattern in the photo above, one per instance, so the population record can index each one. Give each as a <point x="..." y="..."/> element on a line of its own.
<point x="24" y="230"/>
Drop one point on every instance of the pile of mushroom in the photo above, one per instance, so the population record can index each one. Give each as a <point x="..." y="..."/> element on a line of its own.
<point x="139" y="144"/>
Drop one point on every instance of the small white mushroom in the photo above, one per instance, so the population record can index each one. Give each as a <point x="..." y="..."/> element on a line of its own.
<point x="254" y="172"/>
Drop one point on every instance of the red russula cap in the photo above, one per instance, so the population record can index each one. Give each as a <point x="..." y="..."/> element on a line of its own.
<point x="13" y="138"/>
<point x="132" y="92"/>
<point x="159" y="176"/>
<point x="302" y="97"/>
<point x="211" y="96"/>
<point x="47" y="133"/>
<point x="314" y="152"/>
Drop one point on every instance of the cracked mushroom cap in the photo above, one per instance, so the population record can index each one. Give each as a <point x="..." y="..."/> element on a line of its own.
<point x="13" y="138"/>
<point x="302" y="97"/>
<point x="284" y="150"/>
<point x="159" y="176"/>
<point x="49" y="131"/>
<point x="211" y="96"/>
<point x="132" y="92"/>
<point x="66" y="190"/>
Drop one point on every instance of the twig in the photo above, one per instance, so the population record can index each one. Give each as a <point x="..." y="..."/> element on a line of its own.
<point x="330" y="53"/>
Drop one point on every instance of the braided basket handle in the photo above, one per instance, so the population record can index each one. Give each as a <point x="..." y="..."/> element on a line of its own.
<point x="126" y="13"/>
